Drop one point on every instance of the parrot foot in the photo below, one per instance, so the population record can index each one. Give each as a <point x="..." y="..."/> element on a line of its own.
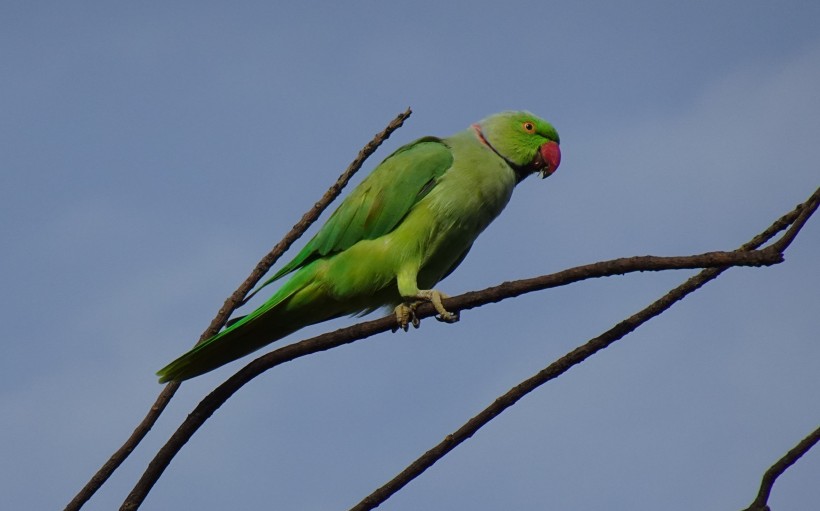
<point x="406" y="315"/>
<point x="435" y="297"/>
<point x="406" y="312"/>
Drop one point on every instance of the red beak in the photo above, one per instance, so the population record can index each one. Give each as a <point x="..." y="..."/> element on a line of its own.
<point x="551" y="154"/>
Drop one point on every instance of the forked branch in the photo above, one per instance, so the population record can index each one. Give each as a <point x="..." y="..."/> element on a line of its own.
<point x="795" y="219"/>
<point x="231" y="303"/>
<point x="716" y="262"/>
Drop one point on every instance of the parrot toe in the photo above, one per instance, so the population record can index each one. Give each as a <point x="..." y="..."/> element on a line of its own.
<point x="405" y="316"/>
<point x="434" y="296"/>
<point x="450" y="317"/>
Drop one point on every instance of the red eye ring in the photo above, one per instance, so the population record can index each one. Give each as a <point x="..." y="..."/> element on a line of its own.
<point x="529" y="127"/>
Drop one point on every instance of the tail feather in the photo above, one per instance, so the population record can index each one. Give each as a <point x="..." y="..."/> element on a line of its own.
<point x="243" y="337"/>
<point x="275" y="319"/>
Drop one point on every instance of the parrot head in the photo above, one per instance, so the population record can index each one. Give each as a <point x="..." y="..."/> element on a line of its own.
<point x="527" y="143"/>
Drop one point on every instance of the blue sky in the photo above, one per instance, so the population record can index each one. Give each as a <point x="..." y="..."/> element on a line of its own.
<point x="151" y="153"/>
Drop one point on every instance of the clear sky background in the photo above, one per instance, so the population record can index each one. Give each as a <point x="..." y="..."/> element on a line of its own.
<point x="152" y="152"/>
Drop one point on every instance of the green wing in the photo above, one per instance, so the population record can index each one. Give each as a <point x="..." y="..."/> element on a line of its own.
<point x="379" y="203"/>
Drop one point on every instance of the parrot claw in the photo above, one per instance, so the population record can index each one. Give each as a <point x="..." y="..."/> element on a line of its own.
<point x="435" y="297"/>
<point x="406" y="315"/>
<point x="451" y="317"/>
<point x="406" y="312"/>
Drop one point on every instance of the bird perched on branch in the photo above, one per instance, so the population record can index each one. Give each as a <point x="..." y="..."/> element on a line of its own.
<point x="408" y="225"/>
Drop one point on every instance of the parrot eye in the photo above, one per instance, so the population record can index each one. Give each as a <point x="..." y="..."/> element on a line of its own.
<point x="529" y="127"/>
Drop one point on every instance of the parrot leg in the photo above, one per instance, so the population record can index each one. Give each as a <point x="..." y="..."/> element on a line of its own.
<point x="435" y="297"/>
<point x="406" y="312"/>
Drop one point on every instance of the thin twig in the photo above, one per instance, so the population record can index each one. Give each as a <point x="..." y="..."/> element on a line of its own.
<point x="761" y="503"/>
<point x="231" y="303"/>
<point x="715" y="260"/>
<point x="796" y="218"/>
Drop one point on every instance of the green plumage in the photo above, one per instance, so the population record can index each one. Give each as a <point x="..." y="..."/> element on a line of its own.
<point x="402" y="230"/>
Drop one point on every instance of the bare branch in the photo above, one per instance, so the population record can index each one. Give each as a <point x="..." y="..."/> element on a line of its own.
<point x="796" y="218"/>
<point x="761" y="502"/>
<point x="716" y="261"/>
<point x="231" y="303"/>
<point x="806" y="209"/>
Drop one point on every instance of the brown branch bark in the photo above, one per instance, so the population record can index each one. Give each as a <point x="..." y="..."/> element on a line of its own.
<point x="231" y="303"/>
<point x="761" y="501"/>
<point x="796" y="219"/>
<point x="716" y="261"/>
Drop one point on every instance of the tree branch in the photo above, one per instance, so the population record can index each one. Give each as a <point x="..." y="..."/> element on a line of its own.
<point x="761" y="502"/>
<point x="231" y="303"/>
<point x="796" y="219"/>
<point x="717" y="261"/>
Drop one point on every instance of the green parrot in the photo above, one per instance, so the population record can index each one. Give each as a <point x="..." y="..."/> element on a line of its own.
<point x="408" y="225"/>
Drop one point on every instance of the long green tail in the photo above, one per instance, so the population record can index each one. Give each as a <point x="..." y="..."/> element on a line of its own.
<point x="276" y="318"/>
